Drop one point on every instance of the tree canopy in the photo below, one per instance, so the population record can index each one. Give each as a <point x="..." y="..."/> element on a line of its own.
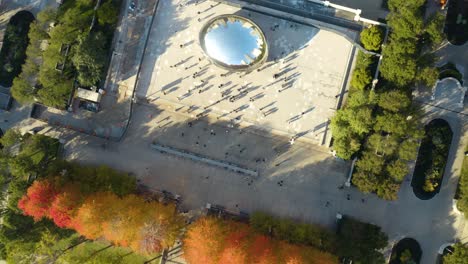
<point x="68" y="50"/>
<point x="372" y="37"/>
<point x="361" y="241"/>
<point x="459" y="255"/>
<point x="213" y="240"/>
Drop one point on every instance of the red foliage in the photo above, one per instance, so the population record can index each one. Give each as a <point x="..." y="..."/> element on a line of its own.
<point x="65" y="205"/>
<point x="215" y="241"/>
<point x="236" y="244"/>
<point x="38" y="199"/>
<point x="262" y="250"/>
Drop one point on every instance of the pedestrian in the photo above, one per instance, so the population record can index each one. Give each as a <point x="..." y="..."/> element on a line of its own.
<point x="181" y="45"/>
<point x="348" y="197"/>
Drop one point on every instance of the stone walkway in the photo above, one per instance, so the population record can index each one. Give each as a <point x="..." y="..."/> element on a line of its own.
<point x="311" y="66"/>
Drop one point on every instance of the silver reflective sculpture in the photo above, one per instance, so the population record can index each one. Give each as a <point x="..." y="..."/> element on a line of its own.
<point x="234" y="43"/>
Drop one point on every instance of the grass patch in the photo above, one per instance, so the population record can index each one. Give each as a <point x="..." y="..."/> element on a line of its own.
<point x="450" y="70"/>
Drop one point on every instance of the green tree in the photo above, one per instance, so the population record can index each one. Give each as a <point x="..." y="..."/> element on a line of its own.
<point x="361" y="98"/>
<point x="90" y="58"/>
<point x="392" y="123"/>
<point x="360" y="119"/>
<point x="372" y="37"/>
<point x="408" y="149"/>
<point x="399" y="68"/>
<point x="107" y="13"/>
<point x="10" y="138"/>
<point x="22" y="90"/>
<point x="361" y="78"/>
<point x="388" y="190"/>
<point x="397" y="169"/>
<point x="360" y="241"/>
<point x="435" y="28"/>
<point x="462" y="202"/>
<point x="428" y="76"/>
<point x="459" y="255"/>
<point x="406" y="18"/>
<point x="383" y="144"/>
<point x="347" y="145"/>
<point x="366" y="182"/>
<point x="370" y="162"/>
<point x="394" y="101"/>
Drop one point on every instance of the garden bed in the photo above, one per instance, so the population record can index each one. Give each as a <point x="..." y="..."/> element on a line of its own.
<point x="432" y="158"/>
<point x="456" y="24"/>
<point x="406" y="251"/>
<point x="15" y="42"/>
<point x="450" y="70"/>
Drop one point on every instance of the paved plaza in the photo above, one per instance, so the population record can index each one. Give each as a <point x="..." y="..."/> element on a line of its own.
<point x="176" y="109"/>
<point x="295" y="92"/>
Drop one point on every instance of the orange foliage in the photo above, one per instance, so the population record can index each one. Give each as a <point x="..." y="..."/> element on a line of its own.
<point x="235" y="244"/>
<point x="128" y="221"/>
<point x="160" y="227"/>
<point x="262" y="250"/>
<point x="211" y="240"/>
<point x="204" y="241"/>
<point x="95" y="210"/>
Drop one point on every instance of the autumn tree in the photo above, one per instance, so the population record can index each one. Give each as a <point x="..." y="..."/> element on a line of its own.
<point x="38" y="199"/>
<point x="263" y="250"/>
<point x="235" y="244"/>
<point x="212" y="240"/>
<point x="204" y="241"/>
<point x="145" y="227"/>
<point x="93" y="213"/>
<point x="65" y="205"/>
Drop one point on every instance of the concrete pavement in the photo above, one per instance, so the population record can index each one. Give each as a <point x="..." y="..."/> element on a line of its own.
<point x="310" y="174"/>
<point x="311" y="179"/>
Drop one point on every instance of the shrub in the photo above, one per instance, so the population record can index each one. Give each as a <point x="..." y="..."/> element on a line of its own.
<point x="459" y="255"/>
<point x="372" y="37"/>
<point x="294" y="232"/>
<point x="361" y="241"/>
<point x="361" y="78"/>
